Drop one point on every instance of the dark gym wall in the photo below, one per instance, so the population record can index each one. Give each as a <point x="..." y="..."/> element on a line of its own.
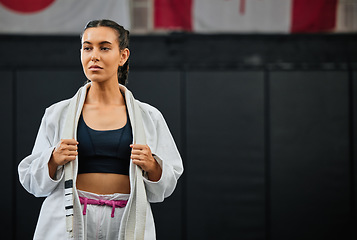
<point x="7" y="149"/>
<point x="310" y="170"/>
<point x="266" y="125"/>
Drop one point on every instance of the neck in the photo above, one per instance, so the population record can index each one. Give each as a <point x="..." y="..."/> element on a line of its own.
<point x="104" y="93"/>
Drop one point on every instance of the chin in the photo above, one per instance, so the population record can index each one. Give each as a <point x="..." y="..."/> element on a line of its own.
<point x="97" y="79"/>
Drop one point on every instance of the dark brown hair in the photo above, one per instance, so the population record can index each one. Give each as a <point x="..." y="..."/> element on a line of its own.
<point x="123" y="40"/>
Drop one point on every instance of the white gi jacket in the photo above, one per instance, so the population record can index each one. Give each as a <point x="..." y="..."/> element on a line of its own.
<point x="34" y="173"/>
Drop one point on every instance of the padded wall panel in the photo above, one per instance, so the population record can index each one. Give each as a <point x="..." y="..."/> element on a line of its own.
<point x="354" y="140"/>
<point x="37" y="90"/>
<point x="225" y="155"/>
<point x="161" y="89"/>
<point x="310" y="178"/>
<point x="8" y="168"/>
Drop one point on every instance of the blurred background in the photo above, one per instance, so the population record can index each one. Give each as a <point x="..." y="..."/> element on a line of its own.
<point x="260" y="96"/>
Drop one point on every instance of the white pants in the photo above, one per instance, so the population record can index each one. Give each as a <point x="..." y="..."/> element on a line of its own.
<point x="98" y="223"/>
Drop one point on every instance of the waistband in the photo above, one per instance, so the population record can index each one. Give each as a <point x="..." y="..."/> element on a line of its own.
<point x="116" y="200"/>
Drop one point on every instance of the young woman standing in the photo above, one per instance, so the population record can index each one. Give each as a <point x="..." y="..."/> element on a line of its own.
<point x="120" y="155"/>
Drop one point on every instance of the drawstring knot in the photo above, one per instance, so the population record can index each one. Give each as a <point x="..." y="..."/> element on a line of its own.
<point x="112" y="203"/>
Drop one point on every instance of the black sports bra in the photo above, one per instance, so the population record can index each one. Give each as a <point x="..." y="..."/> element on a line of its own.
<point x="105" y="151"/>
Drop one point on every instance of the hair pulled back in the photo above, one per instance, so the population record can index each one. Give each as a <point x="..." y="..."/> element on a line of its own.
<point x="123" y="39"/>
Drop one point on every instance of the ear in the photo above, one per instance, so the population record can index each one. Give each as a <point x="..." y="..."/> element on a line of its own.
<point x="124" y="55"/>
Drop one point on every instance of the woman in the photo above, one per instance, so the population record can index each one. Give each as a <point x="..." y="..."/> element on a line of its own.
<point x="101" y="157"/>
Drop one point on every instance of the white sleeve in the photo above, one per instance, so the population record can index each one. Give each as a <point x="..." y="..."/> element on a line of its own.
<point x="33" y="169"/>
<point x="167" y="155"/>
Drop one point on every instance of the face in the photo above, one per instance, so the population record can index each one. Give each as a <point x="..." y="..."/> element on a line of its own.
<point x="100" y="54"/>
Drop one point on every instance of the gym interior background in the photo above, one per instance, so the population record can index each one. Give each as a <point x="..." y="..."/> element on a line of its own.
<point x="266" y="125"/>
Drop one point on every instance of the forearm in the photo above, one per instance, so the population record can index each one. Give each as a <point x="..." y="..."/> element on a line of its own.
<point x="52" y="168"/>
<point x="155" y="174"/>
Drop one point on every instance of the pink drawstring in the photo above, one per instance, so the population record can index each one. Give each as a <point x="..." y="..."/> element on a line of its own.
<point x="85" y="205"/>
<point x="113" y="209"/>
<point x="112" y="203"/>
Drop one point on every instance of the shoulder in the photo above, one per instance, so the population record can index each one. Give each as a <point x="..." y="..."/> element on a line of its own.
<point x="150" y="111"/>
<point x="58" y="108"/>
<point x="61" y="107"/>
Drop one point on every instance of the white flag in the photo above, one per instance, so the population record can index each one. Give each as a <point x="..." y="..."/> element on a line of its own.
<point x="59" y="16"/>
<point x="242" y="15"/>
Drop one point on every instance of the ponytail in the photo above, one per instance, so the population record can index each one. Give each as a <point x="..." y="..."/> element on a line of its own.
<point x="123" y="72"/>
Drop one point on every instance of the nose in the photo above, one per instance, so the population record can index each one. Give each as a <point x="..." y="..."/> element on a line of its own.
<point x="95" y="56"/>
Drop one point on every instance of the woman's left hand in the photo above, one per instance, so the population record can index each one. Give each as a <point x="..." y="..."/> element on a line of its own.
<point x="142" y="156"/>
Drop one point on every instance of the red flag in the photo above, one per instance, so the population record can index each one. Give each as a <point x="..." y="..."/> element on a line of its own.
<point x="173" y="14"/>
<point x="26" y="6"/>
<point x="313" y="16"/>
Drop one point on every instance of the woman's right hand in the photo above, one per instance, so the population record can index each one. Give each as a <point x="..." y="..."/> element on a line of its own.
<point x="64" y="152"/>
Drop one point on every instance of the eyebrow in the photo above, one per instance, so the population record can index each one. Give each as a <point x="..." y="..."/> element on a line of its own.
<point x="101" y="43"/>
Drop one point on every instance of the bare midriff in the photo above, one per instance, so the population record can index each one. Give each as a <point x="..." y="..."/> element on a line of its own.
<point x="103" y="183"/>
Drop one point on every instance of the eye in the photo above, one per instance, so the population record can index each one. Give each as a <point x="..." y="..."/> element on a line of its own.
<point x="105" y="48"/>
<point x="86" y="48"/>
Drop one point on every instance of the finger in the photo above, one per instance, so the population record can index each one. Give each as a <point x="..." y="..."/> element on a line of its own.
<point x="71" y="147"/>
<point x="140" y="164"/>
<point x="137" y="157"/>
<point x="139" y="152"/>
<point x="69" y="141"/>
<point x="66" y="150"/>
<point x="66" y="158"/>
<point x="71" y="153"/>
<point x="144" y="148"/>
<point x="69" y="159"/>
<point x="138" y="146"/>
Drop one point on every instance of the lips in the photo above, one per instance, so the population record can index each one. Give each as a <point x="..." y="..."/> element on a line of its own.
<point x="95" y="67"/>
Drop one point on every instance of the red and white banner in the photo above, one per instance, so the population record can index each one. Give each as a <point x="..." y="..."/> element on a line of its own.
<point x="199" y="16"/>
<point x="241" y="15"/>
<point x="58" y="16"/>
<point x="261" y="16"/>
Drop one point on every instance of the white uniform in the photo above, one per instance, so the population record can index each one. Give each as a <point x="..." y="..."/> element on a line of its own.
<point x="34" y="174"/>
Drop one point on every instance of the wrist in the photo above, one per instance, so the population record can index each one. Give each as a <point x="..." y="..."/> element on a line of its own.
<point x="52" y="167"/>
<point x="155" y="173"/>
<point x="52" y="161"/>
